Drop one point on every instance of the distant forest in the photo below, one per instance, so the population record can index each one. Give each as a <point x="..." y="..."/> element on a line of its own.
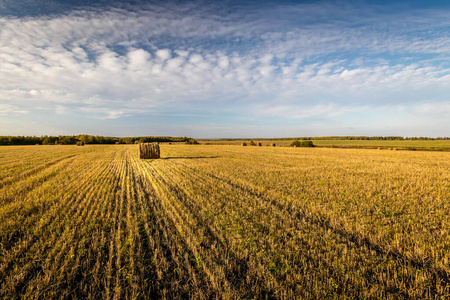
<point x="87" y="139"/>
<point x="349" y="138"/>
<point x="97" y="139"/>
<point x="374" y="138"/>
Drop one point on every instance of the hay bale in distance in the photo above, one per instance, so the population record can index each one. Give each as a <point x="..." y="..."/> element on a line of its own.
<point x="273" y="145"/>
<point x="298" y="143"/>
<point x="149" y="151"/>
<point x="117" y="143"/>
<point x="80" y="143"/>
<point x="259" y="144"/>
<point x="244" y="144"/>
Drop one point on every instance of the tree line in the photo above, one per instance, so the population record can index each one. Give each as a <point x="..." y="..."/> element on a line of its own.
<point x="87" y="139"/>
<point x="363" y="138"/>
<point x="374" y="138"/>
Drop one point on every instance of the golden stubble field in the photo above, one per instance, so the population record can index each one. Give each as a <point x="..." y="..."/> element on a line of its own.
<point x="225" y="222"/>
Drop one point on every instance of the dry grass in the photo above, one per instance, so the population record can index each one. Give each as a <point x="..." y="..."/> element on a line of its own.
<point x="223" y="222"/>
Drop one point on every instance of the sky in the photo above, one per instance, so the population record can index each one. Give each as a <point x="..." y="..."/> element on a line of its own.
<point x="225" y="69"/>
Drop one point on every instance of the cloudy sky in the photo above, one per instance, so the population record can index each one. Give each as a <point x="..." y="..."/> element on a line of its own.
<point x="228" y="69"/>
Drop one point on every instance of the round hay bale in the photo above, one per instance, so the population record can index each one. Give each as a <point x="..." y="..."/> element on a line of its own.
<point x="273" y="144"/>
<point x="149" y="151"/>
<point x="244" y="144"/>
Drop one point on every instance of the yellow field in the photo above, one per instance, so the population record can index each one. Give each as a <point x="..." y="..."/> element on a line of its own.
<point x="226" y="222"/>
<point x="426" y="145"/>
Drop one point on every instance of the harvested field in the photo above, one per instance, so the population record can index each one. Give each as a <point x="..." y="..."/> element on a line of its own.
<point x="223" y="222"/>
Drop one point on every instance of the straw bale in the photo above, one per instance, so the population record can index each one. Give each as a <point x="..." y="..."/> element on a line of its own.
<point x="149" y="151"/>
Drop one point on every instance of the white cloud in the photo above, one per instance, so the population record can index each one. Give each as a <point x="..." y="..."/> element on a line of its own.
<point x="223" y="62"/>
<point x="195" y="58"/>
<point x="182" y="53"/>
<point x="175" y="64"/>
<point x="138" y="58"/>
<point x="266" y="59"/>
<point x="7" y="109"/>
<point x="439" y="109"/>
<point x="163" y="54"/>
<point x="321" y="110"/>
<point x="106" y="113"/>
<point x="117" y="62"/>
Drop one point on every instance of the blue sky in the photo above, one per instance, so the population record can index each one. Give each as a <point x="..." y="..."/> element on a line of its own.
<point x="228" y="69"/>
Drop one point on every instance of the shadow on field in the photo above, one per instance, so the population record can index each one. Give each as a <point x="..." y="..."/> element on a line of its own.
<point x="189" y="157"/>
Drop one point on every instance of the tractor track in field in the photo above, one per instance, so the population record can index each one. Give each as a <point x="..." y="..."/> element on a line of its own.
<point x="59" y="214"/>
<point x="39" y="169"/>
<point x="233" y="274"/>
<point x="327" y="224"/>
